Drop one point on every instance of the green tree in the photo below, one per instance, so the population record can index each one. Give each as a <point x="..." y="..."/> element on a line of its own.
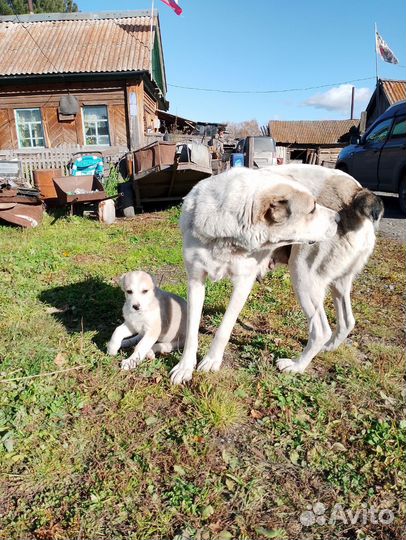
<point x="40" y="6"/>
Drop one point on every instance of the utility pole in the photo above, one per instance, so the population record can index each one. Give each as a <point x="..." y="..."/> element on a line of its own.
<point x="352" y="102"/>
<point x="31" y="7"/>
<point x="376" y="72"/>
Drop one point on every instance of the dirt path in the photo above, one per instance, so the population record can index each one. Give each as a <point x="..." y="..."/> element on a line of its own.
<point x="393" y="224"/>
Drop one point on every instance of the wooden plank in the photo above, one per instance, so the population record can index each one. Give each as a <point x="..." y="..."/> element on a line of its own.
<point x="133" y="112"/>
<point x="118" y="128"/>
<point x="6" y="140"/>
<point x="13" y="130"/>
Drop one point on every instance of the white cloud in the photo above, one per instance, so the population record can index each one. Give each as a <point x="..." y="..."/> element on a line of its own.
<point x="339" y="99"/>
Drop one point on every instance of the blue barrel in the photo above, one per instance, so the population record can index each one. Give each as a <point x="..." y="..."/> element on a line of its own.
<point x="237" y="160"/>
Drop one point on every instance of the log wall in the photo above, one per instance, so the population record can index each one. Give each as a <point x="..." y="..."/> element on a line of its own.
<point x="62" y="131"/>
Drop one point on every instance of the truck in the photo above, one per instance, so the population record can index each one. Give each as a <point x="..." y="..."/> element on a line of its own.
<point x="256" y="152"/>
<point x="377" y="159"/>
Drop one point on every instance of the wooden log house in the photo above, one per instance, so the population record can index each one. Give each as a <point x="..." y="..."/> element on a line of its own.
<point x="80" y="80"/>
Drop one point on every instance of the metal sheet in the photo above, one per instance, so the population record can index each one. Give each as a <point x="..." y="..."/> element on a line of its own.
<point x="309" y="131"/>
<point x="75" y="46"/>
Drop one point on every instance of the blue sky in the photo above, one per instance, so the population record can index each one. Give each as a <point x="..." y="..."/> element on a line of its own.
<point x="272" y="45"/>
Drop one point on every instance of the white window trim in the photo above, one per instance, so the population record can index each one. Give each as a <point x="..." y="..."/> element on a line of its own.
<point x="84" y="130"/>
<point x="18" y="133"/>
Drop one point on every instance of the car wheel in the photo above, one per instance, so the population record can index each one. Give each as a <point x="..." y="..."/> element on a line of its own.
<point x="342" y="167"/>
<point x="402" y="194"/>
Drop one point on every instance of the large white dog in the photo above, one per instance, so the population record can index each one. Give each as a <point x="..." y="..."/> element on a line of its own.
<point x="232" y="223"/>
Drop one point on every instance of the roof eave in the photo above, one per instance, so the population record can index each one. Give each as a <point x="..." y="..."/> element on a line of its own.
<point x="30" y="77"/>
<point x="161" y="54"/>
<point x="77" y="16"/>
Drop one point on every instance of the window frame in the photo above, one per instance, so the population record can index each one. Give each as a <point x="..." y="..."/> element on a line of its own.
<point x="398" y="120"/>
<point x="31" y="138"/>
<point x="84" y="128"/>
<point x="368" y="142"/>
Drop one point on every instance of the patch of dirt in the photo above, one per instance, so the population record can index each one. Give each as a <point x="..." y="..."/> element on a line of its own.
<point x="169" y="274"/>
<point x="88" y="259"/>
<point x="393" y="224"/>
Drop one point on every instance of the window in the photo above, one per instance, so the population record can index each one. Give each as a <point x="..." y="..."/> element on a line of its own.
<point x="30" y="132"/>
<point x="399" y="128"/>
<point x="379" y="133"/>
<point x="96" y="125"/>
<point x="264" y="144"/>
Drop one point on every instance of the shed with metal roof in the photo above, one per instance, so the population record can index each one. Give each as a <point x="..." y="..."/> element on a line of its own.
<point x="387" y="93"/>
<point x="312" y="141"/>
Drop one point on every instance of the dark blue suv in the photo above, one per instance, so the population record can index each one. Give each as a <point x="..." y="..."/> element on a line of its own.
<point x="378" y="160"/>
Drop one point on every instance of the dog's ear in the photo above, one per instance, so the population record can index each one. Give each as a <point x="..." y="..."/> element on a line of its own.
<point x="120" y="281"/>
<point x="273" y="205"/>
<point x="277" y="211"/>
<point x="272" y="208"/>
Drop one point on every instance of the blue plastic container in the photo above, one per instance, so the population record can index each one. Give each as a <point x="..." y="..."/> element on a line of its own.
<point x="237" y="160"/>
<point x="87" y="165"/>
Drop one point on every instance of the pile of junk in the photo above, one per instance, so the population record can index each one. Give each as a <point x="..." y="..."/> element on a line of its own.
<point x="23" y="205"/>
<point x="20" y="204"/>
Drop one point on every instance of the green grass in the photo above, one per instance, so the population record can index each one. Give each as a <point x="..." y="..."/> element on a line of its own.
<point x="94" y="452"/>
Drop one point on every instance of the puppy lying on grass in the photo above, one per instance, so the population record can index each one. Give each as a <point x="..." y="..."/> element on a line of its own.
<point x="157" y="317"/>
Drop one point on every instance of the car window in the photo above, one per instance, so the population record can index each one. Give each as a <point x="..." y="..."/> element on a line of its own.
<point x="264" y="144"/>
<point x="380" y="132"/>
<point x="399" y="128"/>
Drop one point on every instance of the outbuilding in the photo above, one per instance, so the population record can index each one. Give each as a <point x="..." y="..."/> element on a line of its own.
<point x="312" y="141"/>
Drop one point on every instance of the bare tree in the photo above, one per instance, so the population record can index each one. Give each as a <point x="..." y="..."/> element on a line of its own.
<point x="238" y="130"/>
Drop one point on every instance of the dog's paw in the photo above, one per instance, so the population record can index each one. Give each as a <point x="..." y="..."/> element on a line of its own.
<point x="330" y="346"/>
<point x="130" y="363"/>
<point x="112" y="350"/>
<point x="289" y="366"/>
<point x="333" y="343"/>
<point x="181" y="373"/>
<point x="209" y="364"/>
<point x="150" y="355"/>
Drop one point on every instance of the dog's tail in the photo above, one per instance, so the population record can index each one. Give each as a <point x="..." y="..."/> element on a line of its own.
<point x="367" y="204"/>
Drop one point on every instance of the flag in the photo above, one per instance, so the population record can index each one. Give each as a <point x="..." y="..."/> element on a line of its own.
<point x="174" y="5"/>
<point x="385" y="51"/>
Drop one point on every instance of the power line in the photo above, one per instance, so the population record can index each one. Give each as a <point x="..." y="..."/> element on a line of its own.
<point x="218" y="90"/>
<point x="268" y="91"/>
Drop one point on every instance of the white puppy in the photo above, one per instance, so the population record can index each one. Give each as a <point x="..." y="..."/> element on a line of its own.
<point x="158" y="317"/>
<point x="231" y="223"/>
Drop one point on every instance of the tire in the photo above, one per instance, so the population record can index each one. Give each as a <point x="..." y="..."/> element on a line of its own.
<point x="127" y="199"/>
<point x="342" y="167"/>
<point x="402" y="194"/>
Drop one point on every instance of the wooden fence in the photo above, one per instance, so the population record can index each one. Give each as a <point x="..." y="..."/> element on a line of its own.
<point x="57" y="158"/>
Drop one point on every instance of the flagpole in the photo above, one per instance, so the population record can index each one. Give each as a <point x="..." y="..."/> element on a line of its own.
<point x="376" y="71"/>
<point x="376" y="54"/>
<point x="151" y="30"/>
